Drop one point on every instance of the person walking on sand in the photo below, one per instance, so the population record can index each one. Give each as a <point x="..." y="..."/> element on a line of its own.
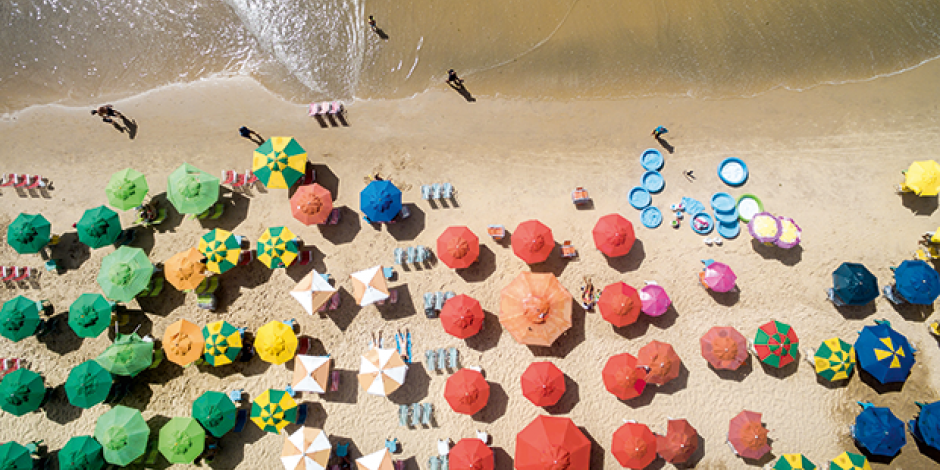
<point x="106" y="112"/>
<point x="453" y="79"/>
<point x="372" y="23"/>
<point x="251" y="135"/>
<point x="660" y="130"/>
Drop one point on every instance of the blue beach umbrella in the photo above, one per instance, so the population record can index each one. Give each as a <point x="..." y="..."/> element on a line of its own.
<point x="380" y="201"/>
<point x="917" y="282"/>
<point x="926" y="426"/>
<point x="854" y="284"/>
<point x="879" y="431"/>
<point x="884" y="353"/>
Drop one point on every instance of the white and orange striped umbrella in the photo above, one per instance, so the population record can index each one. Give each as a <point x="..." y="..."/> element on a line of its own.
<point x="369" y="286"/>
<point x="380" y="460"/>
<point x="306" y="449"/>
<point x="381" y="371"/>
<point x="311" y="373"/>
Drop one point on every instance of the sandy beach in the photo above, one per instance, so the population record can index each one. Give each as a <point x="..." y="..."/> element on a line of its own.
<point x="828" y="157"/>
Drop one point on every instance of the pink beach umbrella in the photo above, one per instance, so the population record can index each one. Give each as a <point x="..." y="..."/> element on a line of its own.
<point x="790" y="233"/>
<point x="765" y="227"/>
<point x="717" y="276"/>
<point x="654" y="299"/>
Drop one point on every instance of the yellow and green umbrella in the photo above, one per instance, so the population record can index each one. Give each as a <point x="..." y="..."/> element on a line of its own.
<point x="125" y="273"/>
<point x="279" y="162"/>
<point x="850" y="461"/>
<point x="123" y="434"/>
<point x="15" y="456"/>
<point x="29" y="233"/>
<point x="81" y="453"/>
<point x="221" y="250"/>
<point x="126" y="189"/>
<point x="835" y="359"/>
<point x="275" y="342"/>
<point x="923" y="178"/>
<point x="19" y="318"/>
<point x="223" y="343"/>
<point x="99" y="227"/>
<point x="794" y="462"/>
<point x="90" y="315"/>
<point x="277" y="247"/>
<point x="191" y="190"/>
<point x="21" y="392"/>
<point x="182" y="440"/>
<point x="273" y="410"/>
<point x="128" y="356"/>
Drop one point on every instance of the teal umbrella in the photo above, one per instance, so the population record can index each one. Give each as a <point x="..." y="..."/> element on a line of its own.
<point x="29" y="233"/>
<point x="88" y="384"/>
<point x="123" y="435"/>
<point x="191" y="190"/>
<point x="128" y="356"/>
<point x="21" y="392"/>
<point x="81" y="453"/>
<point x="99" y="227"/>
<point x="14" y="456"/>
<point x="126" y="189"/>
<point x="125" y="273"/>
<point x="19" y="318"/>
<point x="216" y="412"/>
<point x="90" y="315"/>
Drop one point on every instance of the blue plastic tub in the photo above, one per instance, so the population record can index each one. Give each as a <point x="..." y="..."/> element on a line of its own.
<point x="653" y="182"/>
<point x="733" y="171"/>
<point x="652" y="160"/>
<point x="651" y="217"/>
<point x="729" y="230"/>
<point x="639" y="197"/>
<point x="706" y="229"/>
<point x="727" y="217"/>
<point x="723" y="202"/>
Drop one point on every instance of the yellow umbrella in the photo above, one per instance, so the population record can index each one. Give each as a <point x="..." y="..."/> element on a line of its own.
<point x="221" y="250"/>
<point x="277" y="247"/>
<point x="276" y="342"/>
<point x="185" y="270"/>
<point x="183" y="343"/>
<point x="273" y="410"/>
<point x="279" y="162"/>
<point x="923" y="178"/>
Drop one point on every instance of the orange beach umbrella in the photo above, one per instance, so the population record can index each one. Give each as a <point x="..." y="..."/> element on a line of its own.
<point x="661" y="360"/>
<point x="613" y="235"/>
<point x="679" y="443"/>
<point x="462" y="316"/>
<point x="381" y="371"/>
<point x="183" y="342"/>
<point x="552" y="443"/>
<point x="634" y="445"/>
<point x="458" y="247"/>
<point x="185" y="270"/>
<point x="748" y="436"/>
<point x="535" y="309"/>
<point x="532" y="241"/>
<point x="724" y="347"/>
<point x="623" y="377"/>
<point x="369" y="286"/>
<point x="467" y="391"/>
<point x="620" y="304"/>
<point x="311" y="204"/>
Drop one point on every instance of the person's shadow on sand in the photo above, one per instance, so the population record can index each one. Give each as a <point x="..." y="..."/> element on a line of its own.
<point x="460" y="88"/>
<point x="381" y="33"/>
<point x="130" y="125"/>
<point x="665" y="144"/>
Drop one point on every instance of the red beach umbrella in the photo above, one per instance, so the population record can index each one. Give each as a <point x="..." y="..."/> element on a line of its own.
<point x="552" y="443"/>
<point x="532" y="241"/>
<point x="543" y="383"/>
<point x="462" y="316"/>
<point x="311" y="204"/>
<point x="613" y="235"/>
<point x="467" y="391"/>
<point x="661" y="360"/>
<point x="748" y="435"/>
<point x="623" y="377"/>
<point x="471" y="454"/>
<point x="724" y="347"/>
<point x="679" y="443"/>
<point x="634" y="445"/>
<point x="458" y="247"/>
<point x="620" y="304"/>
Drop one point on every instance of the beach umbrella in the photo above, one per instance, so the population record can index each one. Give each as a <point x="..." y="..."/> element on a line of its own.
<point x="19" y="318"/>
<point x="90" y="315"/>
<point x="378" y="460"/>
<point x="99" y="227"/>
<point x="884" y="353"/>
<point x="81" y="453"/>
<point x="380" y="201"/>
<point x="543" y="383"/>
<point x="125" y="273"/>
<point x="794" y="462"/>
<point x="613" y="235"/>
<point x="369" y="286"/>
<point x="923" y="178"/>
<point x="311" y="373"/>
<point x="183" y="342"/>
<point x="679" y="443"/>
<point x="313" y="291"/>
<point x="279" y="162"/>
<point x="191" y="190"/>
<point x="654" y="300"/>
<point x="849" y="461"/>
<point x="467" y="391"/>
<point x="221" y="250"/>
<point x="462" y="316"/>
<point x="634" y="445"/>
<point x="790" y="236"/>
<point x="854" y="284"/>
<point x="311" y="204"/>
<point x="776" y="344"/>
<point x="277" y="247"/>
<point x="381" y="371"/>
<point x="181" y="440"/>
<point x="879" y="431"/>
<point x="623" y="377"/>
<point x="185" y="270"/>
<point x="458" y="247"/>
<point x="917" y="282"/>
<point x="718" y="277"/>
<point x="834" y="360"/>
<point x="306" y="449"/>
<point x="551" y="442"/>
<point x="216" y="412"/>
<point x="276" y="342"/>
<point x="14" y="456"/>
<point x="535" y="309"/>
<point x="471" y="454"/>
<point x="620" y="304"/>
<point x="724" y="348"/>
<point x="223" y="343"/>
<point x="748" y="436"/>
<point x="123" y="435"/>
<point x="532" y="241"/>
<point x="661" y="361"/>
<point x="29" y="233"/>
<point x="764" y="227"/>
<point x="273" y="410"/>
<point x="126" y="189"/>
<point x="88" y="384"/>
<point x="21" y="392"/>
<point x="926" y="425"/>
<point x="128" y="355"/>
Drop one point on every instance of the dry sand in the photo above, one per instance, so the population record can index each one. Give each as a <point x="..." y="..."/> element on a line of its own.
<point x="827" y="157"/>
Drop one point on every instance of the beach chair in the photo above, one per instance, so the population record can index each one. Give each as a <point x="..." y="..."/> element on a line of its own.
<point x="208" y="285"/>
<point x="161" y="216"/>
<point x="310" y="176"/>
<point x="404" y="214"/>
<point x="335" y="215"/>
<point x="399" y="255"/>
<point x="388" y="272"/>
<point x="447" y="191"/>
<point x="414" y="414"/>
<point x="434" y="463"/>
<point x="154" y="288"/>
<point x="453" y="359"/>
<point x="21" y="273"/>
<point x="892" y="295"/>
<point x="228" y="176"/>
<point x="422" y="254"/>
<point x="567" y="250"/>
<point x="403" y="415"/>
<point x="443" y="447"/>
<point x="436" y="191"/>
<point x="428" y="414"/>
<point x="580" y="196"/>
<point x="335" y="380"/>
<point x="426" y="192"/>
<point x="290" y="323"/>
<point x="496" y="232"/>
<point x="337" y="108"/>
<point x="37" y="182"/>
<point x="305" y="257"/>
<point x="207" y="302"/>
<point x="248" y="352"/>
<point x="430" y="357"/>
<point x="333" y="304"/>
<point x="246" y="257"/>
<point x="236" y="395"/>
<point x="442" y="360"/>
<point x="831" y="295"/>
<point x="429" y="305"/>
<point x="126" y="237"/>
<point x="46" y="326"/>
<point x="241" y="418"/>
<point x="301" y="414"/>
<point x="313" y="110"/>
<point x="213" y="212"/>
<point x="9" y="179"/>
<point x="303" y="345"/>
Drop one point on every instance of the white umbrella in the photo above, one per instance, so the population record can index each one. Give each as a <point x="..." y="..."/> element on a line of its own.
<point x="381" y="371"/>
<point x="380" y="460"/>
<point x="306" y="449"/>
<point x="369" y="286"/>
<point x="313" y="291"/>
<point x="311" y="373"/>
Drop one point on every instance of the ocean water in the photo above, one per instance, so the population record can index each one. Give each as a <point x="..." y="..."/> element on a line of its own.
<point x="81" y="52"/>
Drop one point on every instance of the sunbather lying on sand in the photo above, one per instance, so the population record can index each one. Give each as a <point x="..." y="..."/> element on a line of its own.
<point x="587" y="294"/>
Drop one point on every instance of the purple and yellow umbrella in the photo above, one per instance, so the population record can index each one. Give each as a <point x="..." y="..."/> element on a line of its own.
<point x="790" y="233"/>
<point x="764" y="227"/>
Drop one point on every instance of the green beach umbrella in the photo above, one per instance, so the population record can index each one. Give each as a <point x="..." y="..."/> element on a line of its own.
<point x="88" y="384"/>
<point x="182" y="440"/>
<point x="123" y="435"/>
<point x="191" y="190"/>
<point x="81" y="453"/>
<point x="19" y="318"/>
<point x="216" y="412"/>
<point x="29" y="233"/>
<point x="126" y="189"/>
<point x="128" y="356"/>
<point x="14" y="456"/>
<point x="125" y="273"/>
<point x="99" y="227"/>
<point x="90" y="315"/>
<point x="21" y="391"/>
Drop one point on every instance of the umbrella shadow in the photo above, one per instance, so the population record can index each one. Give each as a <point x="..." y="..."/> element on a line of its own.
<point x="501" y="458"/>
<point x="297" y="271"/>
<point x="788" y="257"/>
<point x="629" y="262"/>
<point x="568" y="340"/>
<point x="913" y="312"/>
<point x="70" y="253"/>
<point x="248" y="276"/>
<point x="781" y="372"/>
<point x="143" y="239"/>
<point x="856" y="312"/>
<point x="567" y="402"/>
<point x="414" y="389"/>
<point x="489" y="334"/>
<point x="679" y="383"/>
<point x="402" y="308"/>
<point x="326" y="178"/>
<point x="164" y="303"/>
<point x="348" y="391"/>
<point x="316" y="417"/>
<point x="344" y="315"/>
<point x="495" y="407"/>
<point x="235" y="210"/>
<point x="764" y="460"/>
<point x="832" y="385"/>
<point x="598" y="454"/>
<point x="919" y="205"/>
<point x="738" y="374"/>
<point x="162" y="374"/>
<point x="727" y="299"/>
<point x="410" y="228"/>
<point x="877" y="386"/>
<point x="346" y="230"/>
<point x="664" y="321"/>
<point x="872" y="458"/>
<point x="555" y="264"/>
<point x="927" y="450"/>
<point x="173" y="217"/>
<point x="58" y="409"/>
<point x="484" y="266"/>
<point x="61" y="340"/>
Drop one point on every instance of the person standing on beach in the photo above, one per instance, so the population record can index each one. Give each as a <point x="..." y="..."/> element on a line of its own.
<point x="251" y="135"/>
<point x="453" y="79"/>
<point x="106" y="112"/>
<point x="372" y="23"/>
<point x="660" y="130"/>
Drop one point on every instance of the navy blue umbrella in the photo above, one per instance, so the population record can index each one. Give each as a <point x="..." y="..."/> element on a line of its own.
<point x="884" y="353"/>
<point x="917" y="282"/>
<point x="380" y="201"/>
<point x="879" y="431"/>
<point x="926" y="428"/>
<point x="854" y="284"/>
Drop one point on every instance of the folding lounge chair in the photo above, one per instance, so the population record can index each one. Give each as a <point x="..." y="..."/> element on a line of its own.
<point x="38" y="182"/>
<point x="9" y="179"/>
<point x="439" y="301"/>
<point x="411" y="254"/>
<point x="8" y="273"/>
<point x="453" y="359"/>
<point x="447" y="191"/>
<point x="436" y="190"/>
<point x="497" y="232"/>
<point x="431" y="359"/>
<point x="434" y="463"/>
<point x="831" y="294"/>
<point x="429" y="305"/>
<point x="22" y="273"/>
<point x="421" y="254"/>
<point x="228" y="176"/>
<point x="399" y="255"/>
<point x="426" y="192"/>
<point x="335" y="216"/>
<point x="428" y="414"/>
<point x="334" y="381"/>
<point x="568" y="250"/>
<point x="337" y="107"/>
<point x="442" y="360"/>
<point x="20" y="181"/>
<point x="580" y="196"/>
<point x="415" y="415"/>
<point x="403" y="415"/>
